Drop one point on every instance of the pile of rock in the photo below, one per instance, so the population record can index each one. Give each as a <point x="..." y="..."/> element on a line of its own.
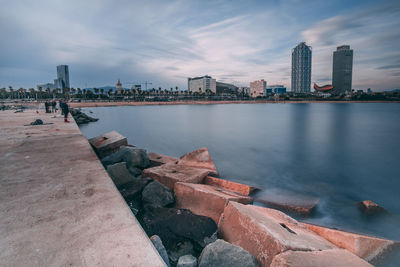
<point x="195" y="219"/>
<point x="80" y="117"/>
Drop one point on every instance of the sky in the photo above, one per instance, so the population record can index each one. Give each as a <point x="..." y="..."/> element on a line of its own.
<point x="164" y="42"/>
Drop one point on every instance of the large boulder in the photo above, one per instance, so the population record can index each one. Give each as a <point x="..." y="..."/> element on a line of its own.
<point x="157" y="195"/>
<point x="370" y="208"/>
<point x="242" y="189"/>
<point x="155" y="239"/>
<point x="266" y="232"/>
<point x="108" y="143"/>
<point x="132" y="193"/>
<point x="175" y="226"/>
<point x="326" y="258"/>
<point x="133" y="156"/>
<point x="187" y="261"/>
<point x="120" y="174"/>
<point x="223" y="254"/>
<point x="206" y="200"/>
<point x="199" y="158"/>
<point x="170" y="173"/>
<point x="366" y="247"/>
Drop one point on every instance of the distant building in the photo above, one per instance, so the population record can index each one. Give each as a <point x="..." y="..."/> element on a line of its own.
<point x="61" y="82"/>
<point x="342" y="69"/>
<point x="118" y="87"/>
<point x="360" y="91"/>
<point x="369" y="91"/>
<point x="257" y="88"/>
<point x="244" y="90"/>
<point x="275" y="89"/>
<point x="226" y="88"/>
<point x="202" y="84"/>
<point x="137" y="87"/>
<point x="301" y="68"/>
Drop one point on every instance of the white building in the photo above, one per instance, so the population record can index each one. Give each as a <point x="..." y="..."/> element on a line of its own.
<point x="257" y="88"/>
<point x="202" y="84"/>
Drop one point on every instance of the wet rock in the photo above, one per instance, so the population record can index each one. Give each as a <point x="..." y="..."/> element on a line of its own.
<point x="120" y="174"/>
<point x="157" y="195"/>
<point x="133" y="156"/>
<point x="171" y="173"/>
<point x="181" y="249"/>
<point x="326" y="258"/>
<point x="370" y="208"/>
<point x="206" y="200"/>
<point x="365" y="247"/>
<point x="266" y="232"/>
<point x="178" y="225"/>
<point x="155" y="239"/>
<point x="199" y="158"/>
<point x="224" y="254"/>
<point x="242" y="189"/>
<point x="108" y="143"/>
<point x="159" y="159"/>
<point x="187" y="261"/>
<point x="80" y="117"/>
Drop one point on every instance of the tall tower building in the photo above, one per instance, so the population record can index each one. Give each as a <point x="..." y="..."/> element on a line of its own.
<point x="62" y="76"/>
<point x="301" y="68"/>
<point x="118" y="87"/>
<point x="342" y="70"/>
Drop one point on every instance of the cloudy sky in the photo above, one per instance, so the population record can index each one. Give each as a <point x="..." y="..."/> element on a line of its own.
<point x="165" y="42"/>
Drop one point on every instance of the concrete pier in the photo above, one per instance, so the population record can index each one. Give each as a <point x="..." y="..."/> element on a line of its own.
<point x="58" y="206"/>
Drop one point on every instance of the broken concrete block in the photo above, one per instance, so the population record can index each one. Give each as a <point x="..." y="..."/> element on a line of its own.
<point x="199" y="158"/>
<point x="120" y="174"/>
<point x="366" y="247"/>
<point x="288" y="201"/>
<point x="108" y="143"/>
<point x="266" y="232"/>
<point x="206" y="200"/>
<point x="170" y="173"/>
<point x="159" y="159"/>
<point x="370" y="208"/>
<point x="231" y="186"/>
<point x="326" y="258"/>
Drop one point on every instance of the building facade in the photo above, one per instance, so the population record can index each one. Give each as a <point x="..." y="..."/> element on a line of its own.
<point x="342" y="70"/>
<point x="61" y="82"/>
<point x="226" y="88"/>
<point x="301" y="68"/>
<point x="244" y="90"/>
<point x="118" y="87"/>
<point x="257" y="88"/>
<point x="202" y="84"/>
<point x="275" y="89"/>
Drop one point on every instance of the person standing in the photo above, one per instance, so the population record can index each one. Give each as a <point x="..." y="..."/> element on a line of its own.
<point x="65" y="110"/>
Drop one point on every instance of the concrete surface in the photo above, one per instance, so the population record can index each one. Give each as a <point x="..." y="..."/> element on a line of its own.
<point x="58" y="206"/>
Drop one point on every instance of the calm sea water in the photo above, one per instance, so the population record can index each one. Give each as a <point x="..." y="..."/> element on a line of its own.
<point x="341" y="153"/>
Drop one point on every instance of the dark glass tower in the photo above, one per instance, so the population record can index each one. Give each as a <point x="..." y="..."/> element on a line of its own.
<point x="342" y="69"/>
<point x="63" y="76"/>
<point x="301" y="68"/>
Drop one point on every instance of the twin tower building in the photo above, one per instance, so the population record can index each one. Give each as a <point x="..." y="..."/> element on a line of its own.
<point x="341" y="74"/>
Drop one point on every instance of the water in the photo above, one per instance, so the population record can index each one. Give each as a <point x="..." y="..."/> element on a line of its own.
<point x="341" y="153"/>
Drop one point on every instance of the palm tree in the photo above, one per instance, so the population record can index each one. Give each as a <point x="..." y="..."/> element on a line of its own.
<point x="96" y="91"/>
<point x="40" y="89"/>
<point x="48" y="92"/>
<point x="102" y="91"/>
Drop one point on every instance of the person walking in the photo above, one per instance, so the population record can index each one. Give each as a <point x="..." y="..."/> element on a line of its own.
<point x="65" y="110"/>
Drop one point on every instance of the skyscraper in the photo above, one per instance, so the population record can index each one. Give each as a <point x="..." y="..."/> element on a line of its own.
<point x="63" y="76"/>
<point x="301" y="68"/>
<point x="342" y="70"/>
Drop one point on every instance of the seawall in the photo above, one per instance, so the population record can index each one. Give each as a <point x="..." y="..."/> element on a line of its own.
<point x="58" y="206"/>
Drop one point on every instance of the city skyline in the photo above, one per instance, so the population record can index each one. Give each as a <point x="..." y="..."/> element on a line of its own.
<point x="233" y="42"/>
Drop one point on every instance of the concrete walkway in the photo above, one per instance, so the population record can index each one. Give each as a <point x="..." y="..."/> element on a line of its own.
<point x="58" y="206"/>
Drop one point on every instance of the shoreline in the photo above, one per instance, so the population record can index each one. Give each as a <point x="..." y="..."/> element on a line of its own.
<point x="162" y="103"/>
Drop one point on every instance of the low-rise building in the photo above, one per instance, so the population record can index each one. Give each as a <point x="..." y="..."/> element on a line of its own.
<point x="244" y="90"/>
<point x="226" y="88"/>
<point x="202" y="84"/>
<point x="257" y="88"/>
<point x="275" y="89"/>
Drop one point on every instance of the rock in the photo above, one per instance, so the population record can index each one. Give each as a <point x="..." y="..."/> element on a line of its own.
<point x="326" y="258"/>
<point x="199" y="158"/>
<point x="133" y="190"/>
<point x="107" y="143"/>
<point x="155" y="239"/>
<point x="242" y="189"/>
<point x="187" y="261"/>
<point x="370" y="208"/>
<point x="288" y="201"/>
<point x="135" y="171"/>
<point x="182" y="249"/>
<point x="159" y="159"/>
<point x="170" y="173"/>
<point x="133" y="156"/>
<point x="119" y="174"/>
<point x="174" y="226"/>
<point x="157" y="195"/>
<point x="206" y="200"/>
<point x="266" y="232"/>
<point x="366" y="247"/>
<point x="223" y="254"/>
